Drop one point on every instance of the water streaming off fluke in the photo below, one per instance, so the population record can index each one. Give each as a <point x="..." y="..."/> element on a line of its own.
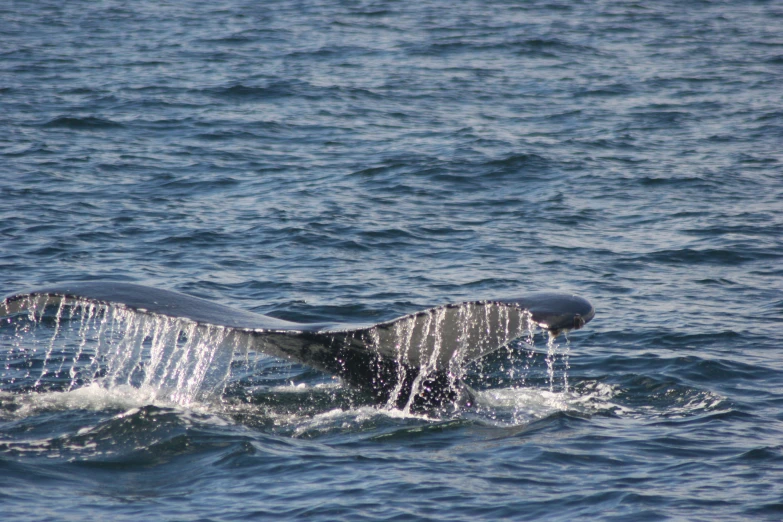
<point x="184" y="350"/>
<point x="79" y="343"/>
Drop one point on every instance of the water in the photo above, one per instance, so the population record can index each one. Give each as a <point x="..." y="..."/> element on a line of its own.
<point x="357" y="161"/>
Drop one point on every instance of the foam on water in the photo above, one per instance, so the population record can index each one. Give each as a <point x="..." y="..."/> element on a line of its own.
<point x="95" y="397"/>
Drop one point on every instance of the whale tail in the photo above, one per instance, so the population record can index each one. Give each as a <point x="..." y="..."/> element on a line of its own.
<point x="412" y="362"/>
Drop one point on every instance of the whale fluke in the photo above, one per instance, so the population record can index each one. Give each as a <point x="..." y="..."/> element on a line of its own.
<point x="409" y="362"/>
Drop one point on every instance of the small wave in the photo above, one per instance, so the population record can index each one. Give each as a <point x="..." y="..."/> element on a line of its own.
<point x="662" y="118"/>
<point x="519" y="160"/>
<point x="81" y="123"/>
<point x="25" y="149"/>
<point x="767" y="453"/>
<point x="241" y="91"/>
<point x="330" y="417"/>
<point x="454" y="47"/>
<point x="674" y="181"/>
<point x="143" y="435"/>
<point x="614" y="89"/>
<point x="708" y="256"/>
<point x="226" y="135"/>
<point x="644" y="396"/>
<point x="551" y="48"/>
<point x="232" y="40"/>
<point x="284" y="89"/>
<point x="358" y="419"/>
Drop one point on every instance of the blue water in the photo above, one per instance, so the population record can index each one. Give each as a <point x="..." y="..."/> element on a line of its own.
<point x="354" y="161"/>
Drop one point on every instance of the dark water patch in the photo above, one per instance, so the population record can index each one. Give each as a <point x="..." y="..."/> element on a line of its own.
<point x="551" y="48"/>
<point x="663" y="118"/>
<point x="159" y="64"/>
<point x="82" y="123"/>
<point x="190" y="184"/>
<point x="750" y="159"/>
<point x="279" y="90"/>
<point x="338" y="53"/>
<point x="250" y="92"/>
<point x="395" y="235"/>
<point x="772" y="115"/>
<point x="774" y="509"/>
<point x="456" y="47"/>
<point x="196" y="238"/>
<point x="682" y="181"/>
<point x="372" y="12"/>
<point x="242" y="38"/>
<point x="721" y="282"/>
<point x="226" y="135"/>
<point x="86" y="91"/>
<point x="710" y="256"/>
<point x="762" y="455"/>
<point x="626" y="160"/>
<point x="126" y="167"/>
<point x="623" y="143"/>
<point x="765" y="226"/>
<point x="724" y="138"/>
<point x="610" y="90"/>
<point x="518" y="162"/>
<point x="388" y="173"/>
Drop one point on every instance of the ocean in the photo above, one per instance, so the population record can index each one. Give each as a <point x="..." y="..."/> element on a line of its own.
<point x="355" y="161"/>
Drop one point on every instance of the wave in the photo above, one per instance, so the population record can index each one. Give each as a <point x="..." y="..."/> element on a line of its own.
<point x="82" y="123"/>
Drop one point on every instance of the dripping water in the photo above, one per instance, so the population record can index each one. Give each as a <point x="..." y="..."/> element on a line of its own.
<point x="553" y="349"/>
<point x="61" y="344"/>
<point x="85" y="343"/>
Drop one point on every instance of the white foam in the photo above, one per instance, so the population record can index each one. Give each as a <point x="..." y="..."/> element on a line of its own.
<point x="95" y="397"/>
<point x="518" y="406"/>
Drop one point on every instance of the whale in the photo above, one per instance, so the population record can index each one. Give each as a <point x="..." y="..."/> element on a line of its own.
<point x="412" y="361"/>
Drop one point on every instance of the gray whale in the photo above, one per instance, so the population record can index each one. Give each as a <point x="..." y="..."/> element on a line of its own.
<point x="410" y="361"/>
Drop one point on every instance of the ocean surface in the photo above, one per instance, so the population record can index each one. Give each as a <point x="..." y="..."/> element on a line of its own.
<point x="354" y="161"/>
